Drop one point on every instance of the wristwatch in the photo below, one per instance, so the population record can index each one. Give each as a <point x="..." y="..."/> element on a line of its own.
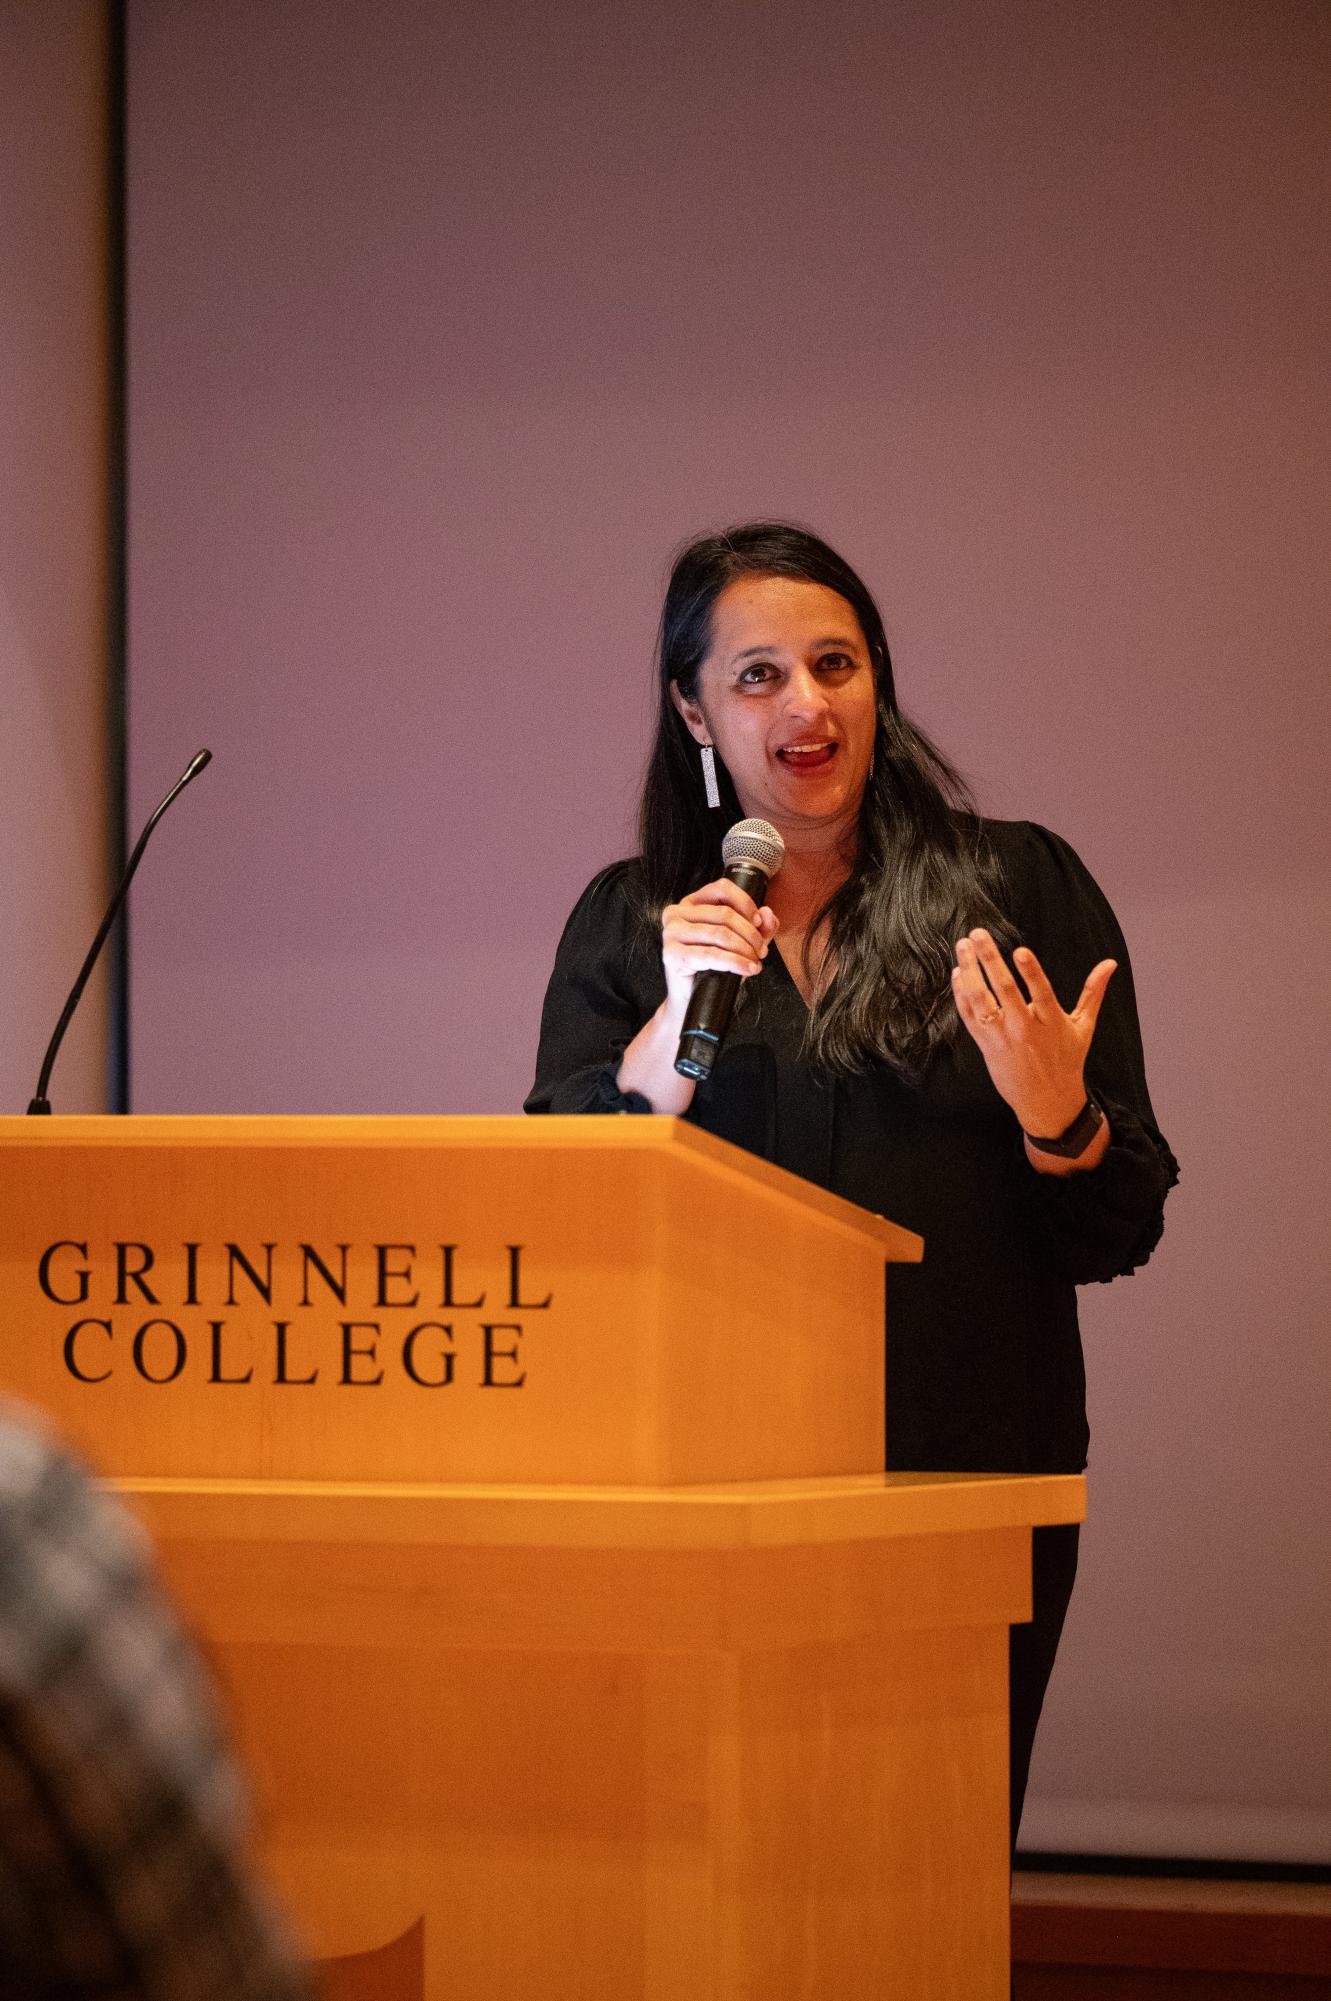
<point x="1078" y="1136"/>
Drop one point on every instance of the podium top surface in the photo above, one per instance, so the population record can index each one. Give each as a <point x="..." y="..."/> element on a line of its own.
<point x="666" y="1138"/>
<point x="723" y="1515"/>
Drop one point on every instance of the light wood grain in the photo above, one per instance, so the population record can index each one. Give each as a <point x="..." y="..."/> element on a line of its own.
<point x="640" y="1682"/>
<point x="622" y="1771"/>
<point x="666" y="1352"/>
<point x="564" y="1137"/>
<point x="734" y="1514"/>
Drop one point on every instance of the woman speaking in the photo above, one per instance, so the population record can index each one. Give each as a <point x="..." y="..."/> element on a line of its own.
<point x="935" y="1017"/>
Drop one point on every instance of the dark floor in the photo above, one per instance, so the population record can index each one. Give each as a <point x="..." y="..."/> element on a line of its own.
<point x="1122" y="1938"/>
<point x="1134" y="1983"/>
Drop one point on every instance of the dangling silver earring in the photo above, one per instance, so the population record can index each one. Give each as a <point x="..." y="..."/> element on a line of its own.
<point x="710" y="786"/>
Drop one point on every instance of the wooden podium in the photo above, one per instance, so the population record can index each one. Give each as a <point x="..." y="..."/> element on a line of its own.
<point x="520" y="1479"/>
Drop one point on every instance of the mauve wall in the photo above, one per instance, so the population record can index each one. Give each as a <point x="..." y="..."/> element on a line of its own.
<point x="448" y="323"/>
<point x="53" y="732"/>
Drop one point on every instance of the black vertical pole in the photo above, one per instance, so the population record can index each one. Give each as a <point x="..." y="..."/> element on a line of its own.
<point x="117" y="585"/>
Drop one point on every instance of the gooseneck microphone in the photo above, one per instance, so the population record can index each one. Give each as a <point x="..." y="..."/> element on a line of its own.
<point x="752" y="853"/>
<point x="41" y="1103"/>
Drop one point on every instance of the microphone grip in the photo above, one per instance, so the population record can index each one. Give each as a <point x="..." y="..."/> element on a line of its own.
<point x="712" y="1001"/>
<point x="711" y="1005"/>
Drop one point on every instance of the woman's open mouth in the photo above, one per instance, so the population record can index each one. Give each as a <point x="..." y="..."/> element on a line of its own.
<point x="807" y="757"/>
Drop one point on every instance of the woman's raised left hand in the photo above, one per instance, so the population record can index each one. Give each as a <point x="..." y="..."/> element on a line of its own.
<point x="1035" y="1053"/>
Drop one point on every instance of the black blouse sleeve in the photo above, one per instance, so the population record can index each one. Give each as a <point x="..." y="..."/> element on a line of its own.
<point x="1105" y="1222"/>
<point x="603" y="988"/>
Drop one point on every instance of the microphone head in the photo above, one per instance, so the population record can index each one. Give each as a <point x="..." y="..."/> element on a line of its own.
<point x="755" y="842"/>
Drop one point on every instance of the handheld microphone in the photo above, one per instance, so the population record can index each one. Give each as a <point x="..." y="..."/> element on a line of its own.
<point x="752" y="852"/>
<point x="41" y="1103"/>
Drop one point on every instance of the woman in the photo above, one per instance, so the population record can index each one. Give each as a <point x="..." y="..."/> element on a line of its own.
<point x="944" y="1033"/>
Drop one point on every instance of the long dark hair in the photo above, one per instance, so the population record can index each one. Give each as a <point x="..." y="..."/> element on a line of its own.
<point x="923" y="872"/>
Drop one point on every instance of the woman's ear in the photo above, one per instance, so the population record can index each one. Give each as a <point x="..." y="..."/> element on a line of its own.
<point x="692" y="715"/>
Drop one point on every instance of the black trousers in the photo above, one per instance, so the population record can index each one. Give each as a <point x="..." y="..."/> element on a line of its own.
<point x="1031" y="1647"/>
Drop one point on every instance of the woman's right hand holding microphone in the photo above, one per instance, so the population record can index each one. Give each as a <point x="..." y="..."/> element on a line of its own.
<point x="717" y="928"/>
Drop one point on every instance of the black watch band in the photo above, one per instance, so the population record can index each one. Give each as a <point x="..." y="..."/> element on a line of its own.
<point x="1078" y="1136"/>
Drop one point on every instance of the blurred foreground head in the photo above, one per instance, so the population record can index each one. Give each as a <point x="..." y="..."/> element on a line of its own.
<point x="123" y="1868"/>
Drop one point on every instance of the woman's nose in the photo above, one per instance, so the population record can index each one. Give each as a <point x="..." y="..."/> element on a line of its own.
<point x="805" y="694"/>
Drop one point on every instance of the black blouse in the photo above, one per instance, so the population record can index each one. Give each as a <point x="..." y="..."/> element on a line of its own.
<point x="984" y="1363"/>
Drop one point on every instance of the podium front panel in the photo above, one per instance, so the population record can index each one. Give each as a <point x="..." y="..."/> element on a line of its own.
<point x="622" y="1301"/>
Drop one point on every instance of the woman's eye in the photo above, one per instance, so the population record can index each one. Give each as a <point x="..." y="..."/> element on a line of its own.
<point x="751" y="676"/>
<point x="835" y="663"/>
